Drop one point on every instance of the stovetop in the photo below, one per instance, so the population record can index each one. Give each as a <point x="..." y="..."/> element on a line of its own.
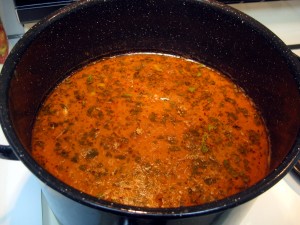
<point x="20" y="193"/>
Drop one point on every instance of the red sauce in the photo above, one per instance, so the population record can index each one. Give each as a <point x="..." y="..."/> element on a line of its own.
<point x="151" y="130"/>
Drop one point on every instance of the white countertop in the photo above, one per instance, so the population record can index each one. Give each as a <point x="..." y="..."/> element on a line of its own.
<point x="20" y="194"/>
<point x="281" y="17"/>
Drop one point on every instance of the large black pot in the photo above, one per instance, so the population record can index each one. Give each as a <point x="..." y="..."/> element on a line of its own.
<point x="205" y="31"/>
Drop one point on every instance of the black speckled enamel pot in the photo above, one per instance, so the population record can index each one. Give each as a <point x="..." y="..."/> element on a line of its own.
<point x="205" y="31"/>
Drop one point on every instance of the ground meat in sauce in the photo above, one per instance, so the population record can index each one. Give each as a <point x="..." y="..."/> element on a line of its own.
<point x="151" y="130"/>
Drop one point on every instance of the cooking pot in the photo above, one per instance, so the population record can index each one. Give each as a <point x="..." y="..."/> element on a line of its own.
<point x="206" y="31"/>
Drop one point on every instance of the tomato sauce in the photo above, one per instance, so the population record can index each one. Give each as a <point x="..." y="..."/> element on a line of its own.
<point x="151" y="130"/>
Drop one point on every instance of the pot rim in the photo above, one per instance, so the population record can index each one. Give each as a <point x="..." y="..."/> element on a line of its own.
<point x="270" y="180"/>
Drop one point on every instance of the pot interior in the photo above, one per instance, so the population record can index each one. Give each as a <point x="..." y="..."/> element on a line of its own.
<point x="207" y="32"/>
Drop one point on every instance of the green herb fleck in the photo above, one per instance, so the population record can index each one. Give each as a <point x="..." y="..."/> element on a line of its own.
<point x="78" y="95"/>
<point x="83" y="167"/>
<point x="75" y="158"/>
<point x="63" y="106"/>
<point x="153" y="117"/>
<point x="192" y="89"/>
<point x="47" y="110"/>
<point x="211" y="127"/>
<point x="89" y="79"/>
<point x="92" y="153"/>
<point x="121" y="157"/>
<point x="230" y="169"/>
<point x="243" y="149"/>
<point x="204" y="147"/>
<point x="244" y="111"/>
<point x="232" y="116"/>
<point x="230" y="100"/>
<point x="254" y="137"/>
<point x="210" y="180"/>
<point x="90" y="111"/>
<point x="126" y="95"/>
<point x="199" y="74"/>
<point x="174" y="148"/>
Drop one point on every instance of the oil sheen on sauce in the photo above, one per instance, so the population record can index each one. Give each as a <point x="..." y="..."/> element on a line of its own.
<point x="151" y="130"/>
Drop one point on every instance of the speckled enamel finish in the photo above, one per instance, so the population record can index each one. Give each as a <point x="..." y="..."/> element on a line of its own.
<point x="206" y="31"/>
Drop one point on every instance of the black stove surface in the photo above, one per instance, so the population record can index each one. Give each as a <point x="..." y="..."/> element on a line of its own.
<point x="34" y="10"/>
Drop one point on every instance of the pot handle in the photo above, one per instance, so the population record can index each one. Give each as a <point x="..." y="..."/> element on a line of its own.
<point x="6" y="152"/>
